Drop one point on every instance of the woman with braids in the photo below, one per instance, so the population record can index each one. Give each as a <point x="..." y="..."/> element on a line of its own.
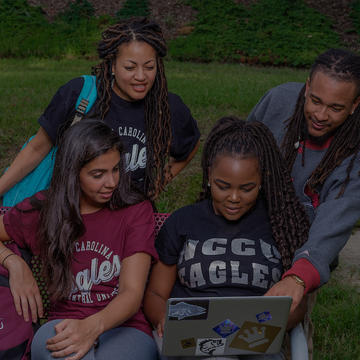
<point x="95" y="237"/>
<point x="156" y="127"/>
<point x="242" y="234"/>
<point x="317" y="126"/>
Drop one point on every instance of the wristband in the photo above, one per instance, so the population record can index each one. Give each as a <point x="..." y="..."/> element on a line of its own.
<point x="7" y="256"/>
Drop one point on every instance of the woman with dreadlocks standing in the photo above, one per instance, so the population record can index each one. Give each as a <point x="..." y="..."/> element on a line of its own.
<point x="248" y="218"/>
<point x="156" y="127"/>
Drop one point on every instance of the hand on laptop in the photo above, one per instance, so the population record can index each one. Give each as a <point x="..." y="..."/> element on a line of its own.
<point x="289" y="287"/>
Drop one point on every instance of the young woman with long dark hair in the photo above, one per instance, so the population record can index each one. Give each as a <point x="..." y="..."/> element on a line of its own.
<point x="158" y="131"/>
<point x="94" y="235"/>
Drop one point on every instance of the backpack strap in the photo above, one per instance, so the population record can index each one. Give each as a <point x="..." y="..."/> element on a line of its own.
<point x="86" y="98"/>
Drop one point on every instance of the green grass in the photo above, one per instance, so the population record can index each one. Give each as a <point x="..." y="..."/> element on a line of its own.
<point x="336" y="319"/>
<point x="211" y="91"/>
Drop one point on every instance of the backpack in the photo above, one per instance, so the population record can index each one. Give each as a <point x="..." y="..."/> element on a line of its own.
<point x="39" y="178"/>
<point x="15" y="333"/>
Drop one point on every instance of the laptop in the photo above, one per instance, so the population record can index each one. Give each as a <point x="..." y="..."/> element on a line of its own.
<point x="215" y="326"/>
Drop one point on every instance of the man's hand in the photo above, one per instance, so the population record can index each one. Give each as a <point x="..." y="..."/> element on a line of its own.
<point x="288" y="287"/>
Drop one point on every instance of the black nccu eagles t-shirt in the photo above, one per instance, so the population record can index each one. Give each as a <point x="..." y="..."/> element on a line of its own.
<point x="127" y="119"/>
<point x="217" y="257"/>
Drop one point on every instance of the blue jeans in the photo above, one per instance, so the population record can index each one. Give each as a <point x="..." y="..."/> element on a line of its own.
<point x="121" y="343"/>
<point x="238" y="357"/>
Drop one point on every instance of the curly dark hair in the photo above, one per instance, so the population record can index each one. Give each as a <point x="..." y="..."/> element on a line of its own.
<point x="341" y="65"/>
<point x="235" y="137"/>
<point x="157" y="113"/>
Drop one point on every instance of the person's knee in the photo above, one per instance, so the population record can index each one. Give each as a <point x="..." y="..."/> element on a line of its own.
<point x="128" y="343"/>
<point x="38" y="345"/>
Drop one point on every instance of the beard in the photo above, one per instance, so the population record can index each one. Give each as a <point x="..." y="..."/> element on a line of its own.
<point x="319" y="140"/>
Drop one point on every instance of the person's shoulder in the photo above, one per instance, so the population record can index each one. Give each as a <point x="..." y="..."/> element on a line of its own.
<point x="74" y="84"/>
<point x="287" y="88"/>
<point x="181" y="213"/>
<point x="32" y="203"/>
<point x="142" y="206"/>
<point x="24" y="205"/>
<point x="188" y="213"/>
<point x="137" y="209"/>
<point x="176" y="102"/>
<point x="173" y="98"/>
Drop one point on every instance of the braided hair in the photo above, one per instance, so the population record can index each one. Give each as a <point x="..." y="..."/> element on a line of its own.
<point x="235" y="137"/>
<point x="341" y="65"/>
<point x="157" y="113"/>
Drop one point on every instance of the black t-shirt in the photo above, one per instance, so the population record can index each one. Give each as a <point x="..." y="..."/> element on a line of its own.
<point x="127" y="119"/>
<point x="217" y="257"/>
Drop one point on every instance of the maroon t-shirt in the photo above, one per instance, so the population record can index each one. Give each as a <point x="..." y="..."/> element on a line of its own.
<point x="111" y="236"/>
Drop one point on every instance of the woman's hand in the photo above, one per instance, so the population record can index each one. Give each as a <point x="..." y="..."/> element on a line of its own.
<point x="161" y="282"/>
<point x="74" y="338"/>
<point x="160" y="327"/>
<point x="24" y="289"/>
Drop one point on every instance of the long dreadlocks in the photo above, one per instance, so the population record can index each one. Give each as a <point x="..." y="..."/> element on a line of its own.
<point x="232" y="136"/>
<point x="157" y="113"/>
<point x="343" y="66"/>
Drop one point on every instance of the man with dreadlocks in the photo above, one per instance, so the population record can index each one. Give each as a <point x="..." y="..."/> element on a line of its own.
<point x="156" y="127"/>
<point x="317" y="126"/>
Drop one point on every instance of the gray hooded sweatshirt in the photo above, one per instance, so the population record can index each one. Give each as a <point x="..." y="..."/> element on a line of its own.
<point x="334" y="218"/>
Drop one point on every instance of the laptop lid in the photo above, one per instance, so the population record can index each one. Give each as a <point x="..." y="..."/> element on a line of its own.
<point x="216" y="326"/>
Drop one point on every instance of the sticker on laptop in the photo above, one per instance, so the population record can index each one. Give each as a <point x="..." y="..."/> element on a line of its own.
<point x="188" y="310"/>
<point x="210" y="346"/>
<point x="188" y="343"/>
<point x="226" y="328"/>
<point x="263" y="317"/>
<point x="255" y="337"/>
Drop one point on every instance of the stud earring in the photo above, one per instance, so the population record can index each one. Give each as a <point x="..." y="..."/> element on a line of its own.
<point x="112" y="79"/>
<point x="208" y="184"/>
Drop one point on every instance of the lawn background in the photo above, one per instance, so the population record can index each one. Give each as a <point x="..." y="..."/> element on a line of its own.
<point x="210" y="90"/>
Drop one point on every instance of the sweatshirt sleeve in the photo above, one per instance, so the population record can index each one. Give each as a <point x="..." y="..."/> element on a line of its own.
<point x="334" y="220"/>
<point x="306" y="272"/>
